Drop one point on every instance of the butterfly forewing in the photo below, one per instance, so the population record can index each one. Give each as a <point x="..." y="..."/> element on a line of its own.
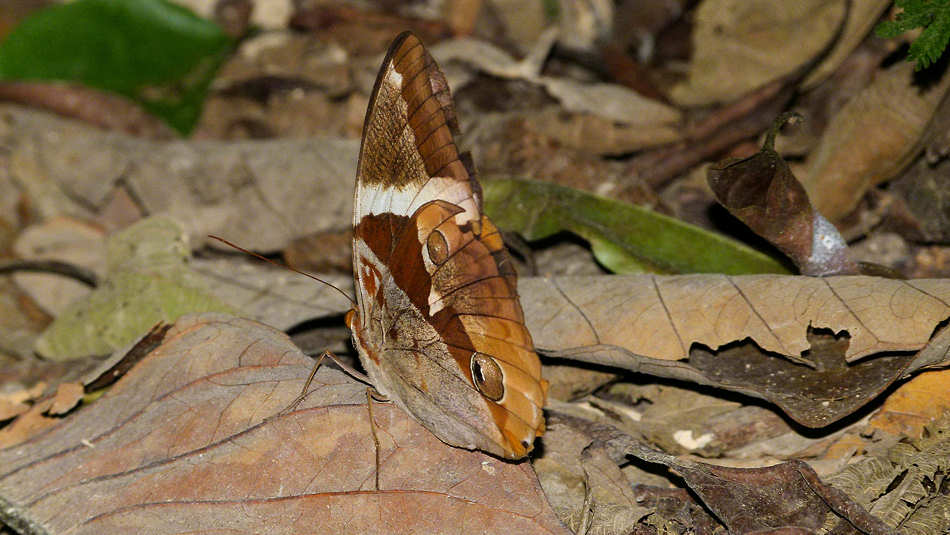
<point x="439" y="326"/>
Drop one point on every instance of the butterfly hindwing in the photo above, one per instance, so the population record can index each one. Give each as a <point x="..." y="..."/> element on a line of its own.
<point x="438" y="323"/>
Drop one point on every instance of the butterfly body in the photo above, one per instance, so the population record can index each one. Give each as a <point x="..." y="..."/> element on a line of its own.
<point x="437" y="324"/>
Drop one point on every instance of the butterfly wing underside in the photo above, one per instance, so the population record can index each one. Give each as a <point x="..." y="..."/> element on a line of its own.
<point x="438" y="323"/>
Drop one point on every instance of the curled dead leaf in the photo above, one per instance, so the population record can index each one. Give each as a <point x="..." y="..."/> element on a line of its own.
<point x="820" y="348"/>
<point x="871" y="139"/>
<point x="762" y="192"/>
<point x="731" y="38"/>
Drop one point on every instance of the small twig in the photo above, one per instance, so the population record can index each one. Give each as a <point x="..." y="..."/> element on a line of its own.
<point x="73" y="271"/>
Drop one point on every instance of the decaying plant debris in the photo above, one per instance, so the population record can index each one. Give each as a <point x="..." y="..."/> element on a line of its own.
<point x="712" y="368"/>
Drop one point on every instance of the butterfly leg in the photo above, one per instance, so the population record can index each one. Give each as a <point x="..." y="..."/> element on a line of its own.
<point x="346" y="369"/>
<point x="371" y="394"/>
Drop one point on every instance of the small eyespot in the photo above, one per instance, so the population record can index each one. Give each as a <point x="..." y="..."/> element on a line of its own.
<point x="488" y="377"/>
<point x="438" y="247"/>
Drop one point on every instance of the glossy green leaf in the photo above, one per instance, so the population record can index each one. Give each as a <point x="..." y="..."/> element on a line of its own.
<point x="153" y="51"/>
<point x="623" y="237"/>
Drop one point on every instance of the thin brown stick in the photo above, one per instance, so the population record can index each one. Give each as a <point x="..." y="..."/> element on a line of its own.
<point x="78" y="273"/>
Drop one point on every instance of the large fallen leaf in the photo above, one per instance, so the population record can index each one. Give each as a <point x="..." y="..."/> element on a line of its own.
<point x="741" y="45"/>
<point x="194" y="438"/>
<point x="624" y="238"/>
<point x="871" y="139"/>
<point x="276" y="296"/>
<point x="818" y="347"/>
<point x="861" y="17"/>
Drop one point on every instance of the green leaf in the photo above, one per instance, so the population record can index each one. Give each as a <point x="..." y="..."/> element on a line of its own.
<point x="153" y="51"/>
<point x="623" y="237"/>
<point x="931" y="15"/>
<point x="148" y="281"/>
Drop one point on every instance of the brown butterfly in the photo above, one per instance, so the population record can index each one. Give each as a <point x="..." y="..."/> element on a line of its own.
<point x="438" y="324"/>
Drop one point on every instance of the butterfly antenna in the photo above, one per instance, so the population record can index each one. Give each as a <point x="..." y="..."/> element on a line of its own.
<point x="285" y="266"/>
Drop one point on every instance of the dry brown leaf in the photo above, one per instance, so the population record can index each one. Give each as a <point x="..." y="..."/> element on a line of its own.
<point x="612" y="102"/>
<point x="661" y="317"/>
<point x="574" y="476"/>
<point x="762" y="192"/>
<point x="284" y="84"/>
<point x="871" y="139"/>
<point x="194" y="438"/>
<point x="27" y="424"/>
<point x="13" y="402"/>
<point x="66" y="397"/>
<point x="795" y="341"/>
<point x="277" y="296"/>
<point x="109" y="111"/>
<point x="560" y="473"/>
<point x="21" y="322"/>
<point x="915" y="404"/>
<point x="741" y="45"/>
<point x="594" y="134"/>
<point x="861" y="17"/>
<point x="247" y="190"/>
<point x="10" y="409"/>
<point x="615" y="506"/>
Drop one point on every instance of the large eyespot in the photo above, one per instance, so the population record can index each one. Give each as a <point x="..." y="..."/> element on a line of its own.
<point x="438" y="247"/>
<point x="488" y="377"/>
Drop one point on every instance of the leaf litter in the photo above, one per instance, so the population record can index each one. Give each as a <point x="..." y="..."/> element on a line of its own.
<point x="205" y="431"/>
<point x="812" y="361"/>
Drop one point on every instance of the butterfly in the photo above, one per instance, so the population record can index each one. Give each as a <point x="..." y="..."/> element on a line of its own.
<point x="437" y="322"/>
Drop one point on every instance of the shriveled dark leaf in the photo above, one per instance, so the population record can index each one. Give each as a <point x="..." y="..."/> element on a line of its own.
<point x="784" y="498"/>
<point x="813" y="396"/>
<point x="762" y="192"/>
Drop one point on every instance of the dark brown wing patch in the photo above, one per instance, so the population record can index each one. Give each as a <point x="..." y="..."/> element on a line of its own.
<point x="417" y="95"/>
